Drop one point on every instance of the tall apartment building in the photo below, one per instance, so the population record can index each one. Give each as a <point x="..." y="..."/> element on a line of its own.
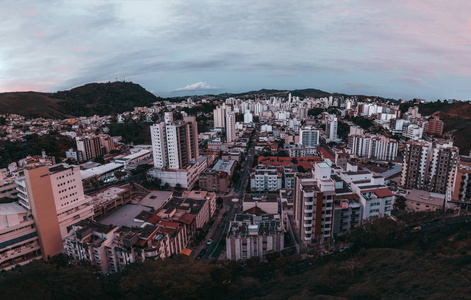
<point x="331" y="127"/>
<point x="219" y="115"/>
<point x="434" y="126"/>
<point x="309" y="137"/>
<point x="230" y="127"/>
<point x="90" y="147"/>
<point x="54" y="194"/>
<point x="313" y="204"/>
<point x="415" y="164"/>
<point x="429" y="167"/>
<point x="462" y="184"/>
<point x="373" y="146"/>
<point x="175" y="144"/>
<point x="443" y="164"/>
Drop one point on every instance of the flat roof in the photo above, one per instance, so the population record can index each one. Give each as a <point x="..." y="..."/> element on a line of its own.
<point x="426" y="197"/>
<point x="11" y="208"/>
<point x="125" y="215"/>
<point x="156" y="199"/>
<point x="98" y="171"/>
<point x="135" y="155"/>
<point x="224" y="165"/>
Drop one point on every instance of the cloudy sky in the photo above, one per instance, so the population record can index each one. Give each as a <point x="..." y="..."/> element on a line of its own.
<point x="399" y="49"/>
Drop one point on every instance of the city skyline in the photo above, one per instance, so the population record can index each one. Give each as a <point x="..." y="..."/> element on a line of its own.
<point x="406" y="49"/>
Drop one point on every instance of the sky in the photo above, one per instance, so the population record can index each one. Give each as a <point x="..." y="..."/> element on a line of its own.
<point x="399" y="49"/>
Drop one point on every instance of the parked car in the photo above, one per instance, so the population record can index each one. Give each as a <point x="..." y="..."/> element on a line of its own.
<point x="209" y="242"/>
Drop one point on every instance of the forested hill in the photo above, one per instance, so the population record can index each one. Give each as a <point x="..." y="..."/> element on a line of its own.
<point x="88" y="100"/>
<point x="104" y="98"/>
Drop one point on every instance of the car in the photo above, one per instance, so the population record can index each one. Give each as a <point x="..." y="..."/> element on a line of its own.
<point x="416" y="229"/>
<point x="209" y="242"/>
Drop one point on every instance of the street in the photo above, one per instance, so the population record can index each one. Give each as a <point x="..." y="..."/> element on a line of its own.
<point x="230" y="208"/>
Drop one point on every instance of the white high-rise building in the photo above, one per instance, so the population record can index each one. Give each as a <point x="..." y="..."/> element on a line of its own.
<point x="175" y="144"/>
<point x="309" y="137"/>
<point x="248" y="118"/>
<point x="331" y="127"/>
<point x="230" y="127"/>
<point x="258" y="108"/>
<point x="219" y="114"/>
<point x="159" y="145"/>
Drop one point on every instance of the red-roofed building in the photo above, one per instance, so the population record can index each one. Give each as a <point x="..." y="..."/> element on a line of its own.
<point x="306" y="162"/>
<point x="325" y="154"/>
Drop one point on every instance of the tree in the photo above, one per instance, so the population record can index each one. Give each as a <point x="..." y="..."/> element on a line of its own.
<point x="400" y="203"/>
<point x="219" y="201"/>
<point x="178" y="187"/>
<point x="100" y="159"/>
<point x="294" y="160"/>
<point x="301" y="169"/>
<point x="119" y="174"/>
<point x="166" y="186"/>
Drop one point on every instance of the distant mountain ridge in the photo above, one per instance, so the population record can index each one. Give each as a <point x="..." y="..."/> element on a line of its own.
<point x="116" y="97"/>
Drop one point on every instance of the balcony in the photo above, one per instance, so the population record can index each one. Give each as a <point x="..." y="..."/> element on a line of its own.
<point x="307" y="218"/>
<point x="307" y="225"/>
<point x="308" y="211"/>
<point x="309" y="203"/>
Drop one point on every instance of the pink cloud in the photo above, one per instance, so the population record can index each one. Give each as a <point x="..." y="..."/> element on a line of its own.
<point x="32" y="13"/>
<point x="40" y="33"/>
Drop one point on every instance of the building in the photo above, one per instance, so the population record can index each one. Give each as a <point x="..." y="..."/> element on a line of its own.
<point x="19" y="242"/>
<point x="174" y="144"/>
<point x="254" y="236"/>
<point x="462" y="184"/>
<point x="442" y="170"/>
<point x="373" y="146"/>
<point x="93" y="146"/>
<point x="230" y="127"/>
<point x="415" y="164"/>
<point x="54" y="194"/>
<point x="219" y="116"/>
<point x="309" y="137"/>
<point x="417" y="200"/>
<point x="214" y="181"/>
<point x="331" y="127"/>
<point x="313" y="204"/>
<point x="92" y="242"/>
<point x="110" y="199"/>
<point x="374" y="196"/>
<point x="267" y="203"/>
<point x="434" y="126"/>
<point x="266" y="178"/>
<point x="248" y="118"/>
<point x="429" y="167"/>
<point x="347" y="214"/>
<point x="186" y="178"/>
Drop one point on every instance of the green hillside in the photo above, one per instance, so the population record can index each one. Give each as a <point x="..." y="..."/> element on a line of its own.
<point x="88" y="100"/>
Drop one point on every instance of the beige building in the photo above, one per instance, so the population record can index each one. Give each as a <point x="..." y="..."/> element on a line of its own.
<point x="59" y="186"/>
<point x="417" y="200"/>
<point x="19" y="242"/>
